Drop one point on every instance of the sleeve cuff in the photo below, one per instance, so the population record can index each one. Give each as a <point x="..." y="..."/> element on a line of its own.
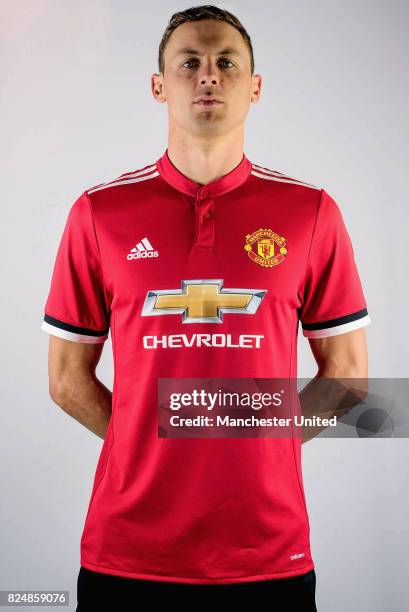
<point x="67" y="331"/>
<point x="334" y="327"/>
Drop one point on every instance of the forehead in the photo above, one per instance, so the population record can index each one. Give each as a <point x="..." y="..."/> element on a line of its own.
<point x="205" y="35"/>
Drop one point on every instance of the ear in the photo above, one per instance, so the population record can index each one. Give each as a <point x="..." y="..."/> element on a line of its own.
<point x="157" y="87"/>
<point x="256" y="88"/>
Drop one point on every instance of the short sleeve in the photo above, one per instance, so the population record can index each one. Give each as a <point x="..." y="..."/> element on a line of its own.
<point x="333" y="298"/>
<point x="77" y="307"/>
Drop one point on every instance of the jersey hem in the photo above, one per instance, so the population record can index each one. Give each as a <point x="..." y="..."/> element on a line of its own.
<point x="195" y="580"/>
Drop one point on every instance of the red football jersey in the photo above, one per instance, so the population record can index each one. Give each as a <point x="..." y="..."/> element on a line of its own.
<point x="154" y="242"/>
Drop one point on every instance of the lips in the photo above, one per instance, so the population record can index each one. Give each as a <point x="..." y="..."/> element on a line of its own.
<point x="208" y="101"/>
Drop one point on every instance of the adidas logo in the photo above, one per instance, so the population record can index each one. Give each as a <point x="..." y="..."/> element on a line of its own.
<point x="297" y="556"/>
<point x="142" y="250"/>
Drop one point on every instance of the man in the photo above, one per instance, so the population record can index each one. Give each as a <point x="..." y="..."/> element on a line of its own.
<point x="202" y="264"/>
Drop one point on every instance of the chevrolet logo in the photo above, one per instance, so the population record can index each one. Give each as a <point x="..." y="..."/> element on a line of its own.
<point x="202" y="301"/>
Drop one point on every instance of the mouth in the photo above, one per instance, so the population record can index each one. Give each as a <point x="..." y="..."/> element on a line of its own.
<point x="204" y="102"/>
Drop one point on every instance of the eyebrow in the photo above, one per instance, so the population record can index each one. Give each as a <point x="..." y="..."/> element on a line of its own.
<point x="227" y="51"/>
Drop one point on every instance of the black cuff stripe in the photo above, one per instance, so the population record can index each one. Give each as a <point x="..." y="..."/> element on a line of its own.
<point x="339" y="321"/>
<point x="74" y="328"/>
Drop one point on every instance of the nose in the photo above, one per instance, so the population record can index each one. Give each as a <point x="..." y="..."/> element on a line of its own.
<point x="204" y="81"/>
<point x="209" y="73"/>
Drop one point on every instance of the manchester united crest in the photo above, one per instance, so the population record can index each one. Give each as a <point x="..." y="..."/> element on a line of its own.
<point x="265" y="247"/>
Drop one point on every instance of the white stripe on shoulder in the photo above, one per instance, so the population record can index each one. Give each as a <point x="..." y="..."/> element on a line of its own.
<point x="274" y="175"/>
<point x="128" y="177"/>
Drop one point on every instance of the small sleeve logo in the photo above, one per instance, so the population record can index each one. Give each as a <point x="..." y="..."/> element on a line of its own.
<point x="297" y="556"/>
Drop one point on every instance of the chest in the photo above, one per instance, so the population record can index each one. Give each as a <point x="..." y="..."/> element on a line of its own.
<point x="244" y="244"/>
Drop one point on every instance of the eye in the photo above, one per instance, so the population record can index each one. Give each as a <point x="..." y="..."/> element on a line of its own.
<point x="187" y="62"/>
<point x="228" y="61"/>
<point x="190" y="61"/>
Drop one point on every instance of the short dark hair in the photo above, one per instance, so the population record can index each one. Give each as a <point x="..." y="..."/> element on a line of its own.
<point x="197" y="13"/>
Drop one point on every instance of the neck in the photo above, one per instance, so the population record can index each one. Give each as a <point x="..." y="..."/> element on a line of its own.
<point x="205" y="160"/>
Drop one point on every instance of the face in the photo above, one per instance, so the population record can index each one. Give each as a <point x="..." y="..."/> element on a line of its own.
<point x="204" y="60"/>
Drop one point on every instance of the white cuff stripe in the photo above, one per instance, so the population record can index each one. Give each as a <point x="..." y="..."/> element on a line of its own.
<point x="338" y="329"/>
<point x="67" y="335"/>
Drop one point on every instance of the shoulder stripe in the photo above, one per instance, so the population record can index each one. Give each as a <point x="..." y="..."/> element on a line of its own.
<point x="274" y="175"/>
<point x="127" y="174"/>
<point x="128" y="177"/>
<point x="269" y="171"/>
<point x="124" y="182"/>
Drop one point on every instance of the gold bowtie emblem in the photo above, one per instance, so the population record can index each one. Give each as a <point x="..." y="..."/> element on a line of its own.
<point x="202" y="301"/>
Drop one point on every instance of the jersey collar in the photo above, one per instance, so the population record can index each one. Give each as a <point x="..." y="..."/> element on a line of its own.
<point x="226" y="183"/>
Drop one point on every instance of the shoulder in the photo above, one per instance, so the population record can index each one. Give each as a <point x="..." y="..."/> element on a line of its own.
<point x="268" y="175"/>
<point x="139" y="175"/>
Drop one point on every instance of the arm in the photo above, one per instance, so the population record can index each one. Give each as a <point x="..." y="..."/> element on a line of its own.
<point x="343" y="357"/>
<point x="333" y="316"/>
<point x="73" y="384"/>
